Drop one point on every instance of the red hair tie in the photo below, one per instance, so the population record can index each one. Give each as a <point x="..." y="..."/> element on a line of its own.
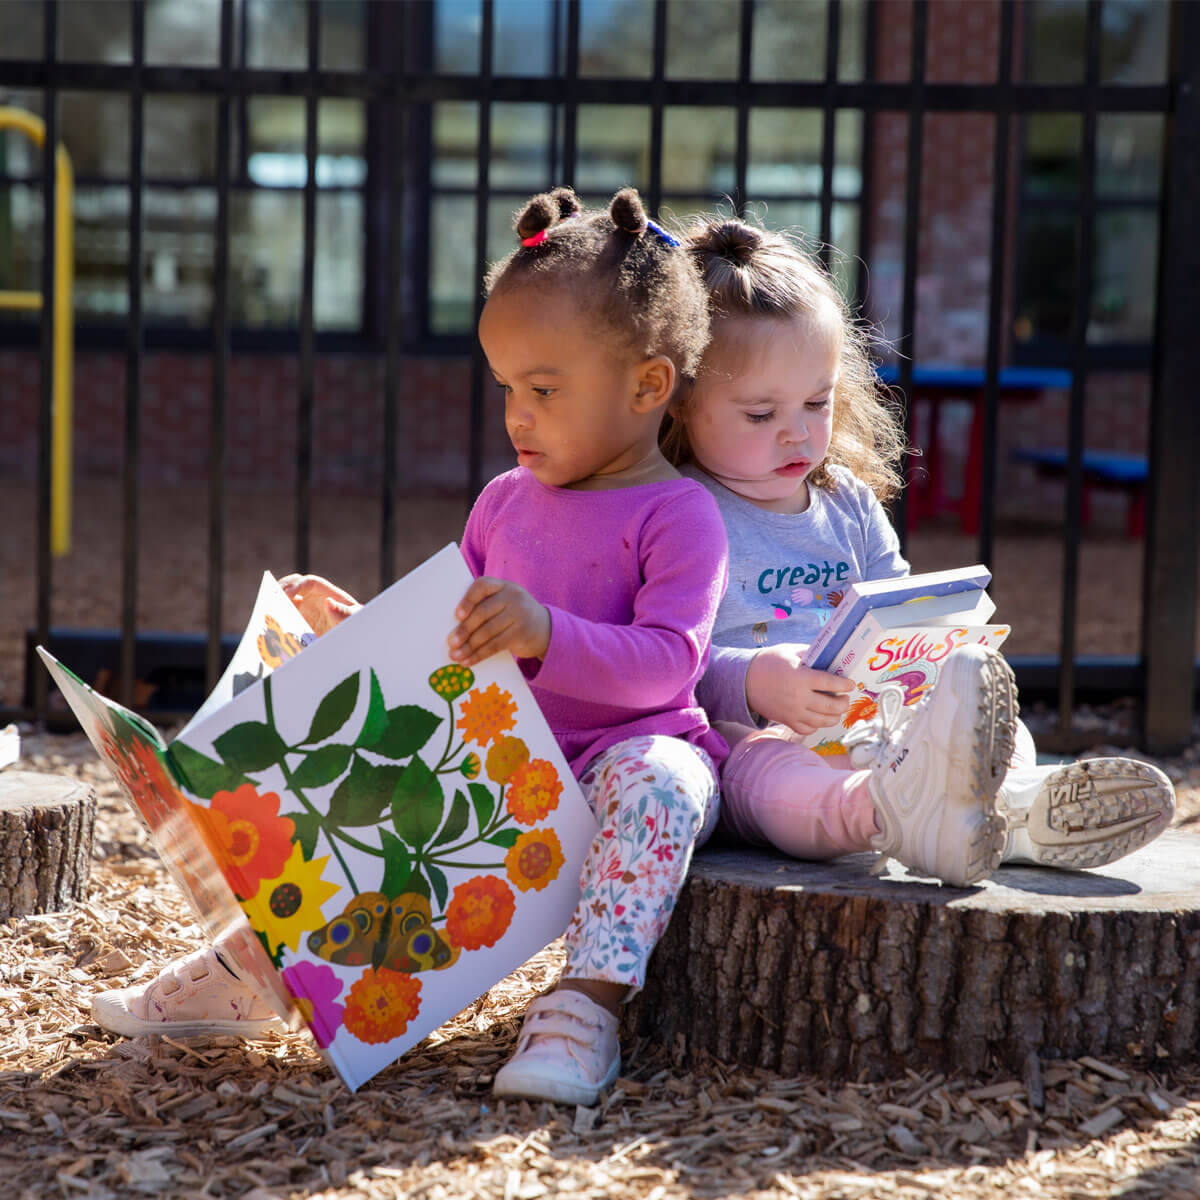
<point x="536" y="240"/>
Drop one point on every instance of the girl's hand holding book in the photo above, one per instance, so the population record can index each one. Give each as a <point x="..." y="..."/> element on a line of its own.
<point x="496" y="615"/>
<point x="781" y="690"/>
<point x="321" y="603"/>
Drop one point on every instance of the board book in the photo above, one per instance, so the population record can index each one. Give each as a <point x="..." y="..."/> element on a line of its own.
<point x="377" y="834"/>
<point x="903" y="631"/>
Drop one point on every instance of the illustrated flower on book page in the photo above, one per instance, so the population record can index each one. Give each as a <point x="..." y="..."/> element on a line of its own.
<point x="288" y="906"/>
<point x="479" y="912"/>
<point x="381" y="1005"/>
<point x="316" y="990"/>
<point x="487" y="714"/>
<point x="534" y="860"/>
<point x="247" y="835"/>
<point x="533" y="791"/>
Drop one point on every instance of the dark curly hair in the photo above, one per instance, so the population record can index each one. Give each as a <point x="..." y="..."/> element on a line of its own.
<point x="750" y="272"/>
<point x="625" y="272"/>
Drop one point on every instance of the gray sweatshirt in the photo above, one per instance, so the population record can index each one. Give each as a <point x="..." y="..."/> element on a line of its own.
<point x="787" y="572"/>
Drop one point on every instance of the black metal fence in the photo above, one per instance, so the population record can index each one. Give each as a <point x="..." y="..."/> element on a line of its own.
<point x="402" y="91"/>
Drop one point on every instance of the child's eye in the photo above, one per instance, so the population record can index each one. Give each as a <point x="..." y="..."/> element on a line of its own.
<point x="544" y="392"/>
<point x="818" y="405"/>
<point x="502" y="386"/>
<point x="759" y="418"/>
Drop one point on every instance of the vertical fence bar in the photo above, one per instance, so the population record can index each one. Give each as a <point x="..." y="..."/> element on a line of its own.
<point x="658" y="79"/>
<point x="741" y="162"/>
<point x="482" y="196"/>
<point x="912" y="230"/>
<point x="833" y="40"/>
<point x="1169" y="592"/>
<point x="220" y="363"/>
<point x="131" y="468"/>
<point x="1079" y="380"/>
<point x="570" y="107"/>
<point x="45" y="579"/>
<point x="867" y="156"/>
<point x="304" y="415"/>
<point x="996" y="261"/>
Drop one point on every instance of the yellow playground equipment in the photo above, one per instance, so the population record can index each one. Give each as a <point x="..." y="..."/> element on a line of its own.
<point x="34" y="128"/>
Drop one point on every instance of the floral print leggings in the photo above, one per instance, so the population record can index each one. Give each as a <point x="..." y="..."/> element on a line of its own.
<point x="656" y="799"/>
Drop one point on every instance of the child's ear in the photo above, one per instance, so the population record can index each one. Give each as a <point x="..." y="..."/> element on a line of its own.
<point x="655" y="383"/>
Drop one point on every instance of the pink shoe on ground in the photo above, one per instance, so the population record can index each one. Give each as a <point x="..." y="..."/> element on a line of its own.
<point x="194" y="996"/>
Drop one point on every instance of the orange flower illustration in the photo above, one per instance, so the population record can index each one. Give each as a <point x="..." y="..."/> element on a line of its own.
<point x="381" y="1004"/>
<point x="534" y="859"/>
<point x="487" y="714"/>
<point x="862" y="708"/>
<point x="451" y="680"/>
<point x="479" y="912"/>
<point x="251" y="841"/>
<point x="143" y="776"/>
<point x="505" y="757"/>
<point x="533" y="791"/>
<point x="274" y="646"/>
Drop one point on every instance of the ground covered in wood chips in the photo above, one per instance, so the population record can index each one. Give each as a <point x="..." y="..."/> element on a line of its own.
<point x="91" y="1117"/>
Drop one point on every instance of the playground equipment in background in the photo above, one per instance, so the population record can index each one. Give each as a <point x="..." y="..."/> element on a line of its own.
<point x="34" y="128"/>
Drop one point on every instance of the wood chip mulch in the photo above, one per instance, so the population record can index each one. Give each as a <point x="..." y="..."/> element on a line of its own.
<point x="92" y="1117"/>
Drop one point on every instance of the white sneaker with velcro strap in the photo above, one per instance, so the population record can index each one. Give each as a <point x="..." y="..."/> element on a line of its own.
<point x="567" y="1052"/>
<point x="1083" y="814"/>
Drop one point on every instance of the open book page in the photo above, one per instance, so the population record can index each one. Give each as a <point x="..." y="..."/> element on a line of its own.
<point x="142" y="766"/>
<point x="401" y="832"/>
<point x="275" y="632"/>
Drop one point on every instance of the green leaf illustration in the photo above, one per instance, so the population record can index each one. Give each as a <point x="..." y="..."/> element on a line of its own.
<point x="322" y="766"/>
<point x="334" y="711"/>
<point x="204" y="776"/>
<point x="418" y="804"/>
<point x="362" y="797"/>
<point x="505" y="838"/>
<point x="485" y="804"/>
<point x="251" y="746"/>
<point x="397" y="869"/>
<point x="266" y="945"/>
<point x="456" y="822"/>
<point x="308" y="825"/>
<point x="409" y="727"/>
<point x="440" y="886"/>
<point x="417" y="882"/>
<point x="376" y="722"/>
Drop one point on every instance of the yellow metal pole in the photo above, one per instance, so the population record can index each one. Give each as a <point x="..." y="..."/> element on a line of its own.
<point x="63" y="327"/>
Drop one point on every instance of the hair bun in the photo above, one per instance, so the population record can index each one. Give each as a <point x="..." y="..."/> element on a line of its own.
<point x="627" y="212"/>
<point x="732" y="240"/>
<point x="568" y="203"/>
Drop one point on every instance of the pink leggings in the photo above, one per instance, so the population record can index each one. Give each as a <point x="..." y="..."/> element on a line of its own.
<point x="775" y="792"/>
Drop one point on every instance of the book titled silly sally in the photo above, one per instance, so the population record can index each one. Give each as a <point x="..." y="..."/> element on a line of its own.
<point x="378" y="834"/>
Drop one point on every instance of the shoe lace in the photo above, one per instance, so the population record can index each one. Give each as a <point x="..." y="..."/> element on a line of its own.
<point x="869" y="742"/>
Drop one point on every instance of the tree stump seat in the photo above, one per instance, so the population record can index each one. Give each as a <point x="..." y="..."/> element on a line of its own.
<point x="821" y="967"/>
<point x="46" y="826"/>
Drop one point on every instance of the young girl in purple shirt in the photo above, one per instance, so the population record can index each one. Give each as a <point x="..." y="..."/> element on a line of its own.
<point x="600" y="568"/>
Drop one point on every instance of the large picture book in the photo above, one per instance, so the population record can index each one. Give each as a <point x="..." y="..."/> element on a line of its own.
<point x="376" y="833"/>
<point x="902" y="632"/>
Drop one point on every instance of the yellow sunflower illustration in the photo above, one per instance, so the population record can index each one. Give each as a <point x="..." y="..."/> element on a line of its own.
<point x="284" y="909"/>
<point x="534" y="859"/>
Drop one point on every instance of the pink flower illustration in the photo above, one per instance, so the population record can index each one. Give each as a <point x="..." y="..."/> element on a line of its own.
<point x="315" y="990"/>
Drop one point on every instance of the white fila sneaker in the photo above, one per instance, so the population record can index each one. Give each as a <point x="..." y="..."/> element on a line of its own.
<point x="1083" y="814"/>
<point x="934" y="778"/>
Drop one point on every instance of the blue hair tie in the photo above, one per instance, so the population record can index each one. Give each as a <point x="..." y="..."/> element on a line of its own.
<point x="662" y="234"/>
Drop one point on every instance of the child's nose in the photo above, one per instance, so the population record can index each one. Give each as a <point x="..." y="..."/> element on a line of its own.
<point x="795" y="430"/>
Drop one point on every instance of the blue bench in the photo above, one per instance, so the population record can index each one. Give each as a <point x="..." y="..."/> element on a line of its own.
<point x="1101" y="468"/>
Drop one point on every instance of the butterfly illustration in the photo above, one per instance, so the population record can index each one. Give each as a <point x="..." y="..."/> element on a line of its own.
<point x="397" y="934"/>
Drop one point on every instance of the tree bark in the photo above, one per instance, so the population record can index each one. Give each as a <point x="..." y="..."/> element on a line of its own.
<point x="821" y="967"/>
<point x="46" y="825"/>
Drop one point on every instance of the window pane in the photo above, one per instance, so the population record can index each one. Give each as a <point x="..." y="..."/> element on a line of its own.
<point x="451" y="264"/>
<point x="266" y="257"/>
<point x="95" y="31"/>
<point x="21" y="28"/>
<point x="680" y="212"/>
<point x="1129" y="154"/>
<point x="457" y="25"/>
<point x="180" y="137"/>
<point x="1052" y="150"/>
<point x="277" y="137"/>
<point x="20" y="242"/>
<point x="1047" y="266"/>
<point x="1134" y="41"/>
<point x="177" y="248"/>
<point x="847" y="154"/>
<point x="801" y="217"/>
<point x="183" y="35"/>
<point x="698" y="150"/>
<point x="785" y="152"/>
<point x="524" y="36"/>
<point x="789" y="39"/>
<point x="94" y="126"/>
<point x="455" y="144"/>
<point x="702" y="39"/>
<point x="343" y="35"/>
<point x="276" y="34"/>
<point x="612" y="147"/>
<point x="338" y="268"/>
<point x="101" y="252"/>
<point x="1124" y="279"/>
<point x="521" y="135"/>
<point x="616" y="38"/>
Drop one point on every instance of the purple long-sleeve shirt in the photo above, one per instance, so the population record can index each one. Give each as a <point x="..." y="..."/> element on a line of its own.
<point x="632" y="578"/>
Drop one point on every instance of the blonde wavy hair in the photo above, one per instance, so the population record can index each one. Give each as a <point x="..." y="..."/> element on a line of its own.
<point x="750" y="272"/>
